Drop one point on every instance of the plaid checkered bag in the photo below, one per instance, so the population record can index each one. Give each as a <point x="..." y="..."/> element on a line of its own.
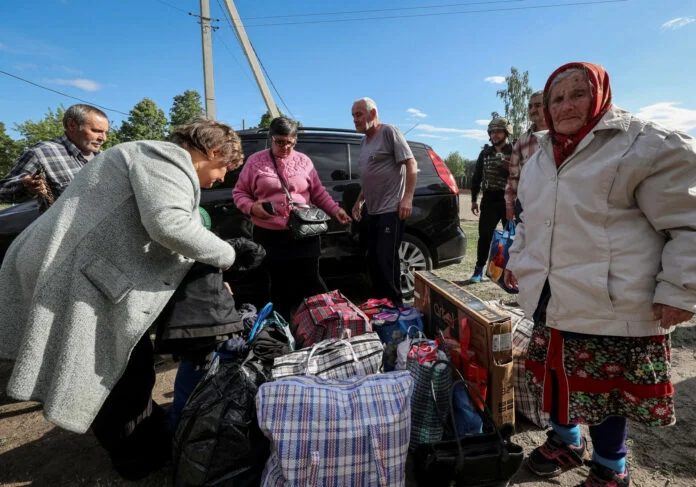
<point x="429" y="415"/>
<point x="326" y="316"/>
<point x="333" y="359"/>
<point x="351" y="432"/>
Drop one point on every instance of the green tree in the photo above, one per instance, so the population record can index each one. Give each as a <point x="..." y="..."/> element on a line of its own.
<point x="456" y="164"/>
<point x="113" y="138"/>
<point x="515" y="97"/>
<point x="266" y="119"/>
<point x="186" y="108"/>
<point x="9" y="151"/>
<point x="145" y="122"/>
<point x="49" y="127"/>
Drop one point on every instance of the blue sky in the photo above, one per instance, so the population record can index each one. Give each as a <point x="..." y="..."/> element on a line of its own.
<point x="436" y="67"/>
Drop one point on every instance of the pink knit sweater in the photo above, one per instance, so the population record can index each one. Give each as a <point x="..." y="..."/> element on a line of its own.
<point x="259" y="181"/>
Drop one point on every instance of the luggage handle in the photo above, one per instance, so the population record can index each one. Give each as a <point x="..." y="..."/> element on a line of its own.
<point x="359" y="369"/>
<point x="260" y="319"/>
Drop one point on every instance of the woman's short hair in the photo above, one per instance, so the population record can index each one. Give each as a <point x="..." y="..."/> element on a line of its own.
<point x="282" y="126"/>
<point x="205" y="135"/>
<point x="565" y="75"/>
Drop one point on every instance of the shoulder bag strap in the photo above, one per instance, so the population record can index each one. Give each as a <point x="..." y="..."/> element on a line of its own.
<point x="280" y="177"/>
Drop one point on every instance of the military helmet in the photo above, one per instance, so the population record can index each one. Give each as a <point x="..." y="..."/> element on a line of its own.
<point x="500" y="123"/>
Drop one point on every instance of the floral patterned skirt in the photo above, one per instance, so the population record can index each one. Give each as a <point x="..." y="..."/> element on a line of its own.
<point x="602" y="376"/>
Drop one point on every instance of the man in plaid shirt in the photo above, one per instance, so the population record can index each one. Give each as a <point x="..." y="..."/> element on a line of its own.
<point x="47" y="168"/>
<point x="523" y="150"/>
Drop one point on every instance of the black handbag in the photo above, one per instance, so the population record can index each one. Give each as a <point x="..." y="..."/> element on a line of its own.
<point x="487" y="459"/>
<point x="305" y="220"/>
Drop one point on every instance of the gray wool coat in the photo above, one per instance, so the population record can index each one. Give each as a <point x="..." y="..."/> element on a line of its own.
<point x="80" y="286"/>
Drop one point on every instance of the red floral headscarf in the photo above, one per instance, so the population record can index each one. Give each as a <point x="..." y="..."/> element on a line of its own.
<point x="564" y="145"/>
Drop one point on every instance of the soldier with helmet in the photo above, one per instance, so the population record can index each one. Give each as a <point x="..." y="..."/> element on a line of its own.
<point x="490" y="178"/>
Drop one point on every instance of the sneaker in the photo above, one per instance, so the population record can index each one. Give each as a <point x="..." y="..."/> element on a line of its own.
<point x="478" y="274"/>
<point x="601" y="476"/>
<point x="555" y="457"/>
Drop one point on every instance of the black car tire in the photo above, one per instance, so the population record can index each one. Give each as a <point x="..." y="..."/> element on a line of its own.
<point x="414" y="256"/>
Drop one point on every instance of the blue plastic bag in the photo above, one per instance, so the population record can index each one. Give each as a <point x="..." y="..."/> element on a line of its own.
<point x="393" y="326"/>
<point x="499" y="255"/>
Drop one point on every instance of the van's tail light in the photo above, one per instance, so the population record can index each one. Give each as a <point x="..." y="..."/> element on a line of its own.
<point x="444" y="172"/>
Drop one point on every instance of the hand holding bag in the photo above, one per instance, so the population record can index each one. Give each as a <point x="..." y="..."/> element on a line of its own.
<point x="305" y="220"/>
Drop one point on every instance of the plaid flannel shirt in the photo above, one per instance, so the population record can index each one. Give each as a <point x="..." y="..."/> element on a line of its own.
<point x="60" y="159"/>
<point x="525" y="147"/>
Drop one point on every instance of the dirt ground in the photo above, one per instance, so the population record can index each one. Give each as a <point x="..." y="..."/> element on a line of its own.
<point x="34" y="452"/>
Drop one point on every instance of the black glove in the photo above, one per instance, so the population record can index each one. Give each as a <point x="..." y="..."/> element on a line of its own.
<point x="249" y="254"/>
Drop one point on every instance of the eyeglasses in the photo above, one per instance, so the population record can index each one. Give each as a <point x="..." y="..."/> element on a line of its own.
<point x="284" y="142"/>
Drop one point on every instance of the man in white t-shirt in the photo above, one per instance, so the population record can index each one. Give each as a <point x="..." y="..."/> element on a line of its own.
<point x="388" y="174"/>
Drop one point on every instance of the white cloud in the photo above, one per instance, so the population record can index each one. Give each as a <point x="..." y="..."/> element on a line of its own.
<point x="2" y="46"/>
<point x="81" y="83"/>
<point x="496" y="80"/>
<point x="75" y="72"/>
<point x="669" y="115"/>
<point x="677" y="23"/>
<point x="483" y="122"/>
<point x="433" y="136"/>
<point x="475" y="134"/>
<point x="26" y="67"/>
<point x="414" y="112"/>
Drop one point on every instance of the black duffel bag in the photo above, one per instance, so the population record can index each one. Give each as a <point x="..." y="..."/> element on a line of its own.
<point x="487" y="459"/>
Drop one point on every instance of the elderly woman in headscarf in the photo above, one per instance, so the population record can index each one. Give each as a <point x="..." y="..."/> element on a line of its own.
<point x="605" y="263"/>
<point x="80" y="287"/>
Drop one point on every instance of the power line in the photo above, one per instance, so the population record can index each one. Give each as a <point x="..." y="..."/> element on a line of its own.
<point x="64" y="94"/>
<point x="173" y="6"/>
<point x="508" y="9"/>
<point x="272" y="83"/>
<point x="242" y="69"/>
<point x="226" y="15"/>
<point x="345" y="12"/>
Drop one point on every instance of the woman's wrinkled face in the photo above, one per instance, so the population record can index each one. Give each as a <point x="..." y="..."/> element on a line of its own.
<point x="569" y="104"/>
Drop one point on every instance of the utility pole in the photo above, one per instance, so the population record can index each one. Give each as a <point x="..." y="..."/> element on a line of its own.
<point x="251" y="57"/>
<point x="206" y="31"/>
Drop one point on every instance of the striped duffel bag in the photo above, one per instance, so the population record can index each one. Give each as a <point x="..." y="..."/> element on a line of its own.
<point x="352" y="432"/>
<point x="333" y="359"/>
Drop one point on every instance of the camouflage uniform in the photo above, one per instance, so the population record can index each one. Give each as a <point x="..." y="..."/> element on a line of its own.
<point x="490" y="178"/>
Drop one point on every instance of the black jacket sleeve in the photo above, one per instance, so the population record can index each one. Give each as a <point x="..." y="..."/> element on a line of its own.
<point x="478" y="176"/>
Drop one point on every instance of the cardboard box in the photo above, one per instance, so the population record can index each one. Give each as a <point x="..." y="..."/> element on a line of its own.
<point x="444" y="306"/>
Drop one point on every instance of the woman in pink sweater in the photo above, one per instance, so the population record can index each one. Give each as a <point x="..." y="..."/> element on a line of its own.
<point x="292" y="265"/>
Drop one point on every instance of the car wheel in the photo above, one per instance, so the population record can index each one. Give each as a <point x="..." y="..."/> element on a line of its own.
<point x="414" y="256"/>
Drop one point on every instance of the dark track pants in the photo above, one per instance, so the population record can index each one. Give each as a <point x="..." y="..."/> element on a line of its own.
<point x="492" y="212"/>
<point x="385" y="232"/>
<point x="293" y="280"/>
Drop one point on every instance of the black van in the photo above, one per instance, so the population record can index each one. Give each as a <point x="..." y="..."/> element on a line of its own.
<point x="432" y="236"/>
<point x="432" y="239"/>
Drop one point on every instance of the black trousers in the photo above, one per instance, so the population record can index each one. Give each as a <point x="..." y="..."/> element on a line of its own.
<point x="385" y="232"/>
<point x="130" y="425"/>
<point x="292" y="267"/>
<point x="293" y="280"/>
<point x="492" y="212"/>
